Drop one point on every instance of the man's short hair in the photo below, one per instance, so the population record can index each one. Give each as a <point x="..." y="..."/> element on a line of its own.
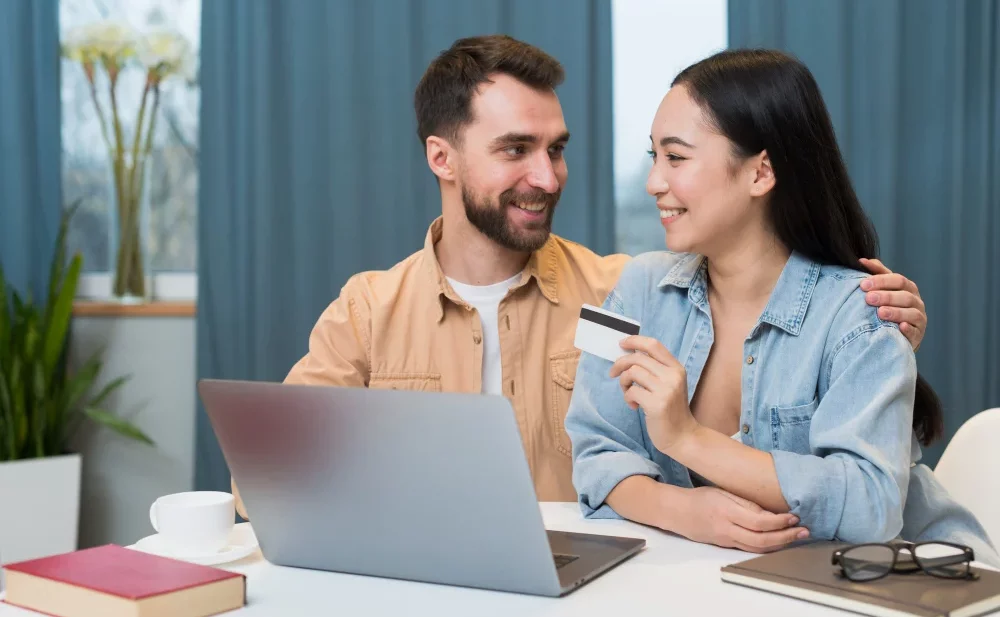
<point x="443" y="98"/>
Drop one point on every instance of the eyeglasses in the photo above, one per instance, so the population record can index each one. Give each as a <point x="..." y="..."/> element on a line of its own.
<point x="868" y="562"/>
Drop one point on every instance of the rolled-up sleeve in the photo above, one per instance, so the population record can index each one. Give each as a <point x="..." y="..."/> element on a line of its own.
<point x="852" y="485"/>
<point x="607" y="436"/>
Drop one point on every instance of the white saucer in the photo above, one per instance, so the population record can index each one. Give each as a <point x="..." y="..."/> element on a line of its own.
<point x="242" y="542"/>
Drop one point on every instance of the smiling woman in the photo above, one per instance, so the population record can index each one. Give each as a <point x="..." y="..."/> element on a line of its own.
<point x="764" y="401"/>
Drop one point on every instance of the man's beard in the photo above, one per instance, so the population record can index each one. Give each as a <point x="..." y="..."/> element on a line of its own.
<point x="491" y="218"/>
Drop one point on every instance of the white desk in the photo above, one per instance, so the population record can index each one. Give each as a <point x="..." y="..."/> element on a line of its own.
<point x="672" y="576"/>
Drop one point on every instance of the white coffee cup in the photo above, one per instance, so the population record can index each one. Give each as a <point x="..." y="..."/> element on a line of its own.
<point x="194" y="522"/>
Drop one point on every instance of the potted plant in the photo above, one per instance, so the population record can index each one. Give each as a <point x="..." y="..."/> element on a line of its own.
<point x="42" y="403"/>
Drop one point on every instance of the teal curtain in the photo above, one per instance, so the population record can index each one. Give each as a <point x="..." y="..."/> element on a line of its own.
<point x="311" y="170"/>
<point x="30" y="193"/>
<point x="914" y="90"/>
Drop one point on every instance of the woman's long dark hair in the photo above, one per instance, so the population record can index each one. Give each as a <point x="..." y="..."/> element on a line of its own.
<point x="766" y="100"/>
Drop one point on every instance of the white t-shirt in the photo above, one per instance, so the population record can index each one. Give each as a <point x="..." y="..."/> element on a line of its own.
<point x="486" y="299"/>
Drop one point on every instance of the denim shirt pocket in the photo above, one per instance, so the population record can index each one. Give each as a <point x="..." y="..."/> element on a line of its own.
<point x="790" y="426"/>
<point x="563" y="367"/>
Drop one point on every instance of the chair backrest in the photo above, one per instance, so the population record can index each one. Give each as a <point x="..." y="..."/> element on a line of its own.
<point x="969" y="469"/>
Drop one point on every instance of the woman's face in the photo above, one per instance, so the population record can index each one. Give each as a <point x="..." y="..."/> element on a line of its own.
<point x="705" y="195"/>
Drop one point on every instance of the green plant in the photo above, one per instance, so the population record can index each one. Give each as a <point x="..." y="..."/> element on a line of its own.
<point x="42" y="402"/>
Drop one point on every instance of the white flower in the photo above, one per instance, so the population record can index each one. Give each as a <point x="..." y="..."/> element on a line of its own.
<point x="110" y="41"/>
<point x="76" y="45"/>
<point x="166" y="52"/>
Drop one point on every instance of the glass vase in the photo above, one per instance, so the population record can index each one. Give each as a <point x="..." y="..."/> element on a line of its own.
<point x="129" y="231"/>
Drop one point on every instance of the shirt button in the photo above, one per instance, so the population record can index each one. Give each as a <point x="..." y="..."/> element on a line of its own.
<point x="477" y="338"/>
<point x="749" y="359"/>
<point x="746" y="429"/>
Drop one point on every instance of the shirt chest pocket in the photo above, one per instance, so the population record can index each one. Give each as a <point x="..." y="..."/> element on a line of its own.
<point x="562" y="367"/>
<point x="430" y="382"/>
<point x="790" y="426"/>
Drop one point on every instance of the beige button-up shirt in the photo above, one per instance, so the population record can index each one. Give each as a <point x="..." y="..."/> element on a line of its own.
<point x="406" y="328"/>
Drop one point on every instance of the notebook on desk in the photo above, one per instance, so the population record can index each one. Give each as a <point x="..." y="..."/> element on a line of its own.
<point x="806" y="572"/>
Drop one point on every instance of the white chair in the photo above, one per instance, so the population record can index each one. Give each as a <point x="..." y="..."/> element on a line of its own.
<point x="969" y="469"/>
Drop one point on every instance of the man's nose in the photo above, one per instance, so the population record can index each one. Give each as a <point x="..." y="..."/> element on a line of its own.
<point x="543" y="175"/>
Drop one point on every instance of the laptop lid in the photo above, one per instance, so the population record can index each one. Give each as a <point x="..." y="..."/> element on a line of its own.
<point x="426" y="486"/>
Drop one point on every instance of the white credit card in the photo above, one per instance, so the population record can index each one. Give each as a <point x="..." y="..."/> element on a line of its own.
<point x="599" y="332"/>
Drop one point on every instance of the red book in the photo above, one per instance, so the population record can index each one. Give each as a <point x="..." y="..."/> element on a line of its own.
<point x="111" y="580"/>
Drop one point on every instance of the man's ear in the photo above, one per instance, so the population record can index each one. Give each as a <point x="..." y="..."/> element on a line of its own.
<point x="441" y="158"/>
<point x="763" y="179"/>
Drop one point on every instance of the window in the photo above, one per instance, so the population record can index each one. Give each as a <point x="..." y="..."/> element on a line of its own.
<point x="651" y="43"/>
<point x="172" y="181"/>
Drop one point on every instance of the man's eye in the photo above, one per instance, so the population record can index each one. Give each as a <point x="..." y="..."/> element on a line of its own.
<point x="557" y="150"/>
<point x="514" y="150"/>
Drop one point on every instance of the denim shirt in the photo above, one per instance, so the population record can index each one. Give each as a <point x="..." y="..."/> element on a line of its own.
<point x="827" y="389"/>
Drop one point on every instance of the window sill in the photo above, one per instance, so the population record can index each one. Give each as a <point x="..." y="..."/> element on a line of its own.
<point x="173" y="294"/>
<point x="157" y="308"/>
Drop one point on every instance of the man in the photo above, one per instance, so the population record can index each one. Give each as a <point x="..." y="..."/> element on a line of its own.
<point x="491" y="302"/>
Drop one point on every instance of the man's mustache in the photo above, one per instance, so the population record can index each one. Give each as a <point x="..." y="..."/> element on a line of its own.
<point x="530" y="197"/>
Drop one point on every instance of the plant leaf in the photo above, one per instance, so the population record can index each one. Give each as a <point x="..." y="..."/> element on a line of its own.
<point x="81" y="382"/>
<point x="4" y="323"/>
<point x="107" y="390"/>
<point x="57" y="325"/>
<point x="30" y="336"/>
<point x="7" y="450"/>
<point x="120" y="426"/>
<point x="72" y="391"/>
<point x="18" y="304"/>
<point x="20" y="422"/>
<point x="39" y="406"/>
<point x="59" y="255"/>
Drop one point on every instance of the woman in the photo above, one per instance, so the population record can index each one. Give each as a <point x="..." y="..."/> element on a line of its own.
<point x="764" y="401"/>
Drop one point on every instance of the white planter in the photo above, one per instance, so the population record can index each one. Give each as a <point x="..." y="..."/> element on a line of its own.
<point x="39" y="507"/>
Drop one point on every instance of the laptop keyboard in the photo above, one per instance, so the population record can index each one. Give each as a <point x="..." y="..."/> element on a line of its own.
<point x="562" y="560"/>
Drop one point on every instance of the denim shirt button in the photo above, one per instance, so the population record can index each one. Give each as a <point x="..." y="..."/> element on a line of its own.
<point x="746" y="429"/>
<point x="749" y="359"/>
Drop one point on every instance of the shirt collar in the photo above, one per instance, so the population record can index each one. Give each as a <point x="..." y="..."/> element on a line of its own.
<point x="787" y="307"/>
<point x="789" y="300"/>
<point x="542" y="266"/>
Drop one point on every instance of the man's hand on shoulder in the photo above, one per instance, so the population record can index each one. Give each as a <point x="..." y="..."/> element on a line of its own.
<point x="898" y="300"/>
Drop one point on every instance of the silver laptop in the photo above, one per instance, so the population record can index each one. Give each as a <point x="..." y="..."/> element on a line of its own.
<point x="422" y="486"/>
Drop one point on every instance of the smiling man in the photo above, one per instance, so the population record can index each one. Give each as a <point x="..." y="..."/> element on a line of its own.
<point x="490" y="303"/>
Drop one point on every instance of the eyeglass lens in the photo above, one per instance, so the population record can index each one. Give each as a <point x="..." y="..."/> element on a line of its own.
<point x="864" y="563"/>
<point x="942" y="560"/>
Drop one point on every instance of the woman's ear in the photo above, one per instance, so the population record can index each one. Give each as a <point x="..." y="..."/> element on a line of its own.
<point x="763" y="179"/>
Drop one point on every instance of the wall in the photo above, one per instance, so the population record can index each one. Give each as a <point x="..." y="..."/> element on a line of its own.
<point x="121" y="478"/>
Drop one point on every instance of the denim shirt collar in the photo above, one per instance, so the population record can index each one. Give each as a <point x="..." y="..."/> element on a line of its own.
<point x="789" y="300"/>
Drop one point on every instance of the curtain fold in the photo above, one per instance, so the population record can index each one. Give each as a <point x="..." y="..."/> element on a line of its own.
<point x="311" y="169"/>
<point x="914" y="91"/>
<point x="30" y="143"/>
